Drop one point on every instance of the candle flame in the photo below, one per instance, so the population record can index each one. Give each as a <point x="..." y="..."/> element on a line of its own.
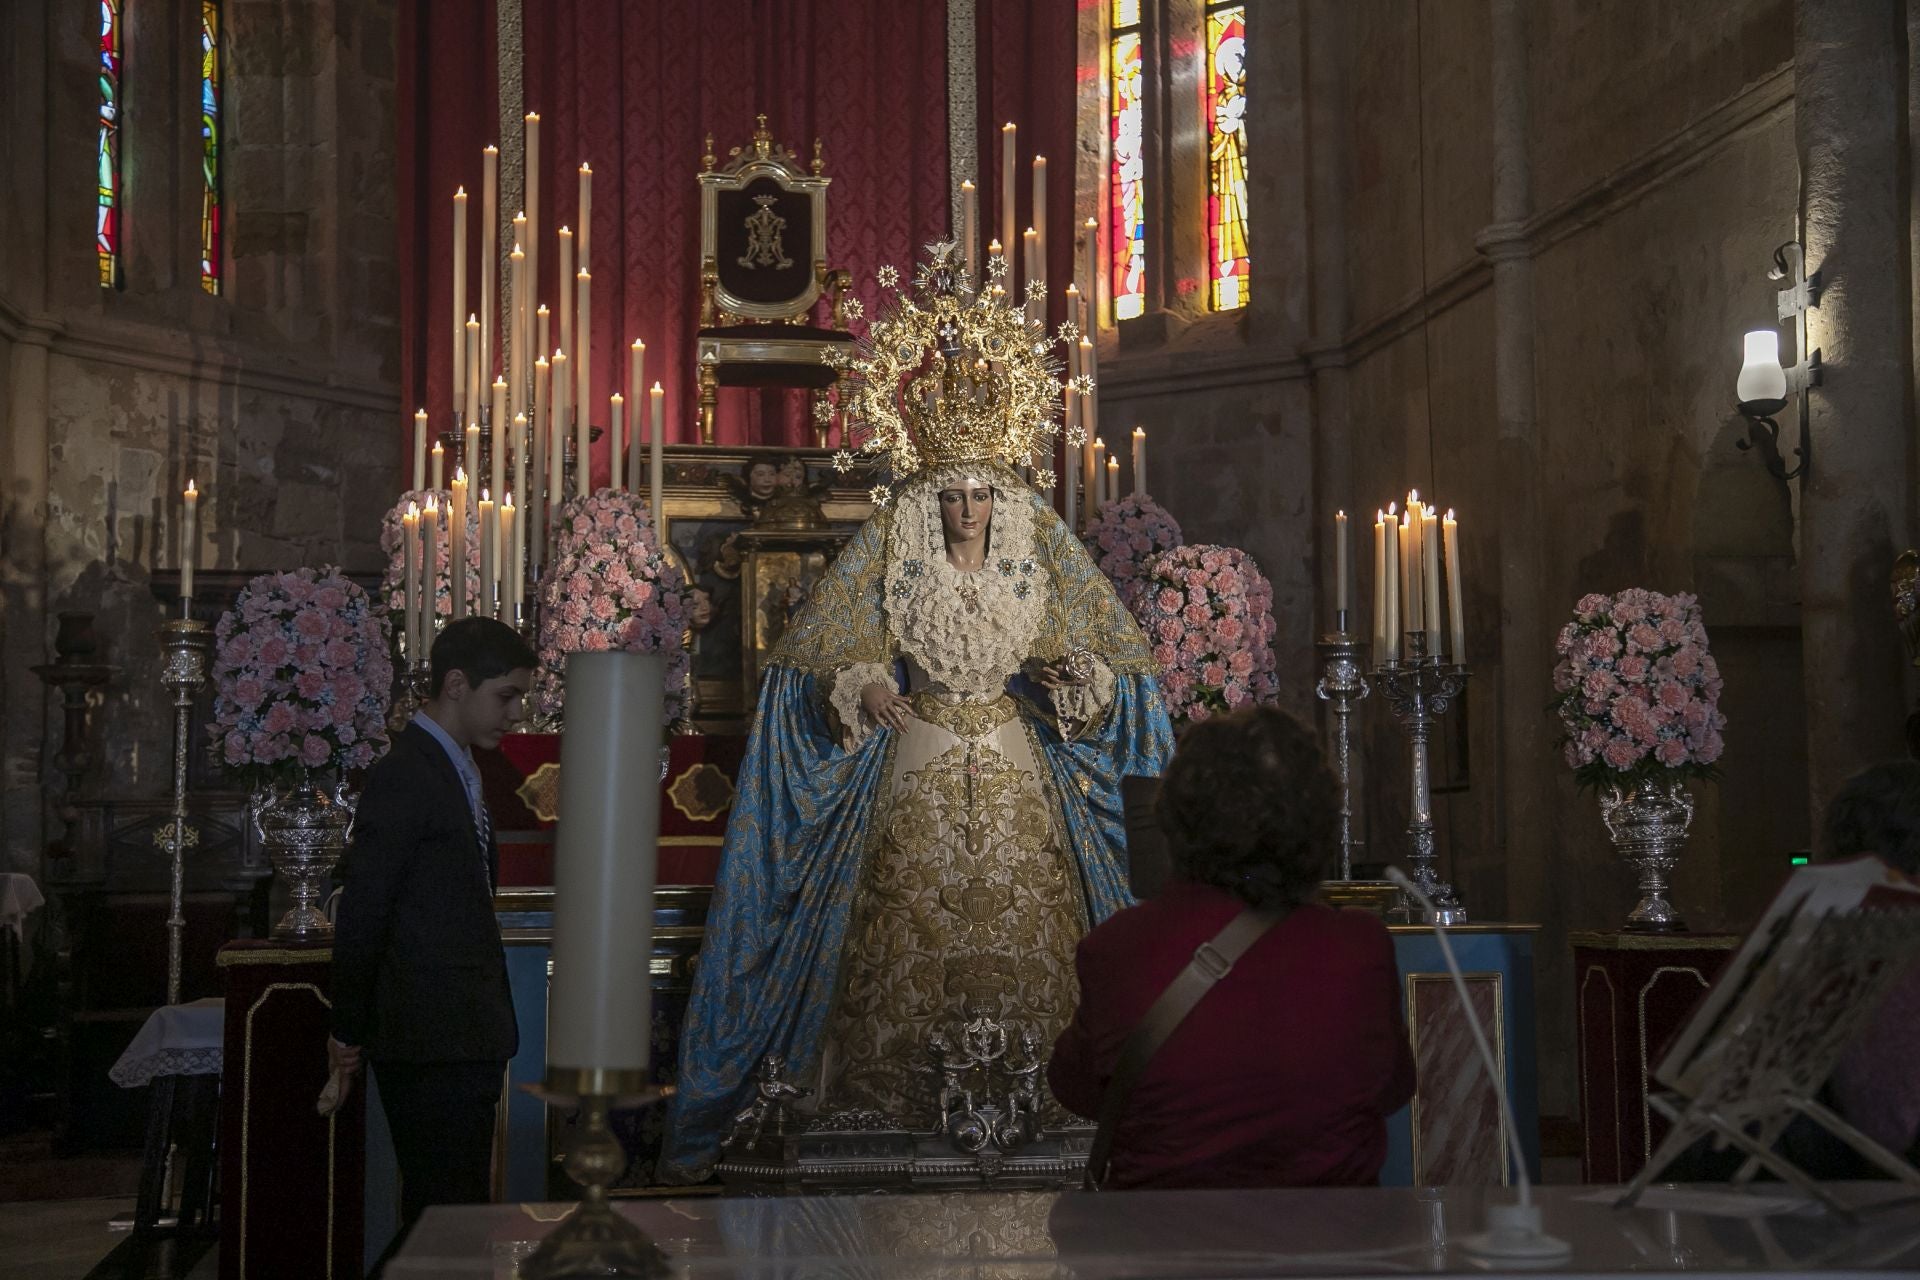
<point x="190" y="488"/>
<point x="657" y="391"/>
<point x="413" y="510"/>
<point x="1379" y="516"/>
<point x="490" y="149"/>
<point x="639" y="345"/>
<point x="433" y="506"/>
<point x="543" y="310"/>
<point x="618" y="398"/>
<point x="534" y="116"/>
<point x="585" y="167"/>
<point x="966" y="184"/>
<point x="459" y="193"/>
<point x="483" y="494"/>
<point x="1006" y="127"/>
<point x="581" y="274"/>
<point x="1450" y="515"/>
<point x="460" y="473"/>
<point x="517" y="252"/>
<point x="437" y="448"/>
<point x="566" y="232"/>
<point x="1393" y="510"/>
<point x="508" y="501"/>
<point x="1340" y="515"/>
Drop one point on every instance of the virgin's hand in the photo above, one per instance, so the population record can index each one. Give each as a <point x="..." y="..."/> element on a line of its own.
<point x="1055" y="677"/>
<point x="884" y="706"/>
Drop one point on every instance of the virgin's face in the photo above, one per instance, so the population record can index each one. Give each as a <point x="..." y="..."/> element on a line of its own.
<point x="966" y="510"/>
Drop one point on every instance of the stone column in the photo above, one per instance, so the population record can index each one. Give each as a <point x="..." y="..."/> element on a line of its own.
<point x="1856" y="509"/>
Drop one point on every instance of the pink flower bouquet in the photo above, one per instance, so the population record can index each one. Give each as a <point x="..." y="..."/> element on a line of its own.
<point x="1636" y="690"/>
<point x="1208" y="613"/>
<point x="301" y="677"/>
<point x="393" y="585"/>
<point x="1125" y="536"/>
<point x="608" y="587"/>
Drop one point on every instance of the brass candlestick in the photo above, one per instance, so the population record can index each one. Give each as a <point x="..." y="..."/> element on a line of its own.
<point x="1421" y="687"/>
<point x="1341" y="687"/>
<point x="594" y="1240"/>
<point x="186" y="644"/>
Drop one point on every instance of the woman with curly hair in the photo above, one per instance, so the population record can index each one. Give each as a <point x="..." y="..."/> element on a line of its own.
<point x="1285" y="1071"/>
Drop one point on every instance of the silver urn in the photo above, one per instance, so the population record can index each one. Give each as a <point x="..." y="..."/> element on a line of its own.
<point x="304" y="828"/>
<point x="1648" y="823"/>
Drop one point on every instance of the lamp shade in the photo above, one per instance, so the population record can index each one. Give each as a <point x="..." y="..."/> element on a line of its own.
<point x="1761" y="377"/>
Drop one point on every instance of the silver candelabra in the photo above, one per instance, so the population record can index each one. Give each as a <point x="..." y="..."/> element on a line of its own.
<point x="1342" y="686"/>
<point x="1420" y="687"/>
<point x="186" y="645"/>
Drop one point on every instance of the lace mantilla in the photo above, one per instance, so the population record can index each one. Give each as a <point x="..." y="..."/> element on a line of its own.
<point x="968" y="631"/>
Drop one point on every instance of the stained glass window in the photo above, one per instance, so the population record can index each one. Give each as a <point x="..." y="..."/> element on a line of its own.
<point x="106" y="232"/>
<point x="210" y="103"/>
<point x="1126" y="181"/>
<point x="1227" y="154"/>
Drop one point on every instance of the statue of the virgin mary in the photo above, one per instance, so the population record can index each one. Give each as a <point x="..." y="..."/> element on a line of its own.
<point x="928" y="815"/>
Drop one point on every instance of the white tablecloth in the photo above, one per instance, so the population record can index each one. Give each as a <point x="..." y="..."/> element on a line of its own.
<point x="19" y="896"/>
<point x="177" y="1040"/>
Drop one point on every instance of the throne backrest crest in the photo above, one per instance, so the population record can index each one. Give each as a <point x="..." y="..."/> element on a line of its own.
<point x="763" y="232"/>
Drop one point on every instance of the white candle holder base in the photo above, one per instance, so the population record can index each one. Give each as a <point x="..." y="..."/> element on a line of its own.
<point x="594" y="1240"/>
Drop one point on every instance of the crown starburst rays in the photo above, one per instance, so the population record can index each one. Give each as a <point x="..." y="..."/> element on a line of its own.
<point x="949" y="375"/>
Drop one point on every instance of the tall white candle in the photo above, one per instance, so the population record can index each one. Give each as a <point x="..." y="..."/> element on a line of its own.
<point x="497" y="437"/>
<point x="636" y="384"/>
<point x="557" y="439"/>
<point x="1342" y="601"/>
<point x="470" y="455"/>
<point x="1070" y="473"/>
<point x="566" y="290"/>
<point x="489" y="573"/>
<point x="439" y="467"/>
<point x="1379" y="586"/>
<point x="970" y="229"/>
<point x="1090" y="231"/>
<point x="419" y="448"/>
<point x="517" y="337"/>
<point x="605" y="855"/>
<point x="542" y="319"/>
<point x="586" y="214"/>
<point x="520" y="454"/>
<point x="1392" y="574"/>
<point x="457" y="542"/>
<point x="656" y="462"/>
<point x="582" y="399"/>
<point x="510" y="561"/>
<point x="489" y="266"/>
<point x="1139" y="462"/>
<point x="430" y="575"/>
<point x="616" y="443"/>
<point x="1456" y="615"/>
<point x="470" y="398"/>
<point x="535" y="498"/>
<point x="410" y="575"/>
<point x="1030" y="264"/>
<point x="1430" y="590"/>
<point x="459" y="301"/>
<point x="1111" y="493"/>
<point x="531" y="187"/>
<point x="1039" y="219"/>
<point x="1008" y="150"/>
<point x="189" y="537"/>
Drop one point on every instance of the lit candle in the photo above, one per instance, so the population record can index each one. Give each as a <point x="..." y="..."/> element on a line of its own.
<point x="1097" y="479"/>
<point x="189" y="525"/>
<point x="542" y="319"/>
<point x="582" y="398"/>
<point x="969" y="229"/>
<point x="459" y="302"/>
<point x="1341" y="597"/>
<point x="1030" y="264"/>
<point x="566" y="290"/>
<point x="510" y="576"/>
<point x="1092" y="297"/>
<point x="1392" y="627"/>
<point x="470" y="395"/>
<point x="457" y="543"/>
<point x="1139" y="462"/>
<point x="993" y="251"/>
<point x="657" y="455"/>
<point x="470" y="456"/>
<point x="419" y="448"/>
<point x="1415" y="616"/>
<point x="488" y="577"/>
<point x="616" y="448"/>
<point x="430" y="574"/>
<point x="517" y="341"/>
<point x="531" y="186"/>
<point x="1089" y="412"/>
<point x="1070" y="474"/>
<point x="439" y="467"/>
<point x="557" y="439"/>
<point x="410" y="559"/>
<point x="497" y="437"/>
<point x="489" y="264"/>
<point x="636" y="383"/>
<point x="1379" y="586"/>
<point x="586" y="213"/>
<point x="1039" y="202"/>
<point x="542" y="426"/>
<point x="1430" y="588"/>
<point x="519" y="455"/>
<point x="1111" y="493"/>
<point x="1457" y="619"/>
<point x="1008" y="147"/>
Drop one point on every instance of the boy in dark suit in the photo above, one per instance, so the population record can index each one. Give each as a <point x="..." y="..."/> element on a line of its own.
<point x="419" y="972"/>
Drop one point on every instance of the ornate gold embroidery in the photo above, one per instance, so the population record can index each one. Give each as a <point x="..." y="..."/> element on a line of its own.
<point x="968" y="902"/>
<point x="967" y="720"/>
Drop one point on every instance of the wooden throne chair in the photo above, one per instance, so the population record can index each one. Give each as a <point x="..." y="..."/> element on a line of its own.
<point x="763" y="273"/>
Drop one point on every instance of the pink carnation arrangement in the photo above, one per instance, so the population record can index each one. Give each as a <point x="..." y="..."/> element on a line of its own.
<point x="1125" y="536"/>
<point x="1636" y="689"/>
<point x="301" y="677"/>
<point x="393" y="586"/>
<point x="608" y="587"/>
<point x="1208" y="613"/>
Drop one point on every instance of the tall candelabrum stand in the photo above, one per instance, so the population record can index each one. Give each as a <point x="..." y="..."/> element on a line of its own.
<point x="186" y="645"/>
<point x="1342" y="685"/>
<point x="1420" y="687"/>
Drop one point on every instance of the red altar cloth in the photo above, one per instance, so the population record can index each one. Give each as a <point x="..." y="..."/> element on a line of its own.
<point x="522" y="780"/>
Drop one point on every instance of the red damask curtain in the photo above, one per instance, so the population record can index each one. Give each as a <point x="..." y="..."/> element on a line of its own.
<point x="634" y="87"/>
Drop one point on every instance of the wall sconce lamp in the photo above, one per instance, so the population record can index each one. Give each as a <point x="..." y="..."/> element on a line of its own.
<point x="1764" y="386"/>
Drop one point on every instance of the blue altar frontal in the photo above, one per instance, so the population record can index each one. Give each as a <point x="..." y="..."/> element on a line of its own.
<point x="1451" y="1133"/>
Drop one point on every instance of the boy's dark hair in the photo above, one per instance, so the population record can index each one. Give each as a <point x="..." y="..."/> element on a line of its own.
<point x="482" y="648"/>
<point x="1249" y="806"/>
<point x="1878" y="812"/>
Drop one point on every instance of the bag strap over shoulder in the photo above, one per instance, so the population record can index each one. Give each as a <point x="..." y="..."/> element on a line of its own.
<point x="1212" y="961"/>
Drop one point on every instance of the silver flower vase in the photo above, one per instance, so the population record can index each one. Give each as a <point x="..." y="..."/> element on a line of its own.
<point x="1648" y="822"/>
<point x="304" y="828"/>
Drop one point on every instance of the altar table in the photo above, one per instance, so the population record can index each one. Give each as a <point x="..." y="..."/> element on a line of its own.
<point x="1363" y="1231"/>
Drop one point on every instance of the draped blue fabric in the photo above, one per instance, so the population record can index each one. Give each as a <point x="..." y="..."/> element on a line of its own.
<point x="809" y="812"/>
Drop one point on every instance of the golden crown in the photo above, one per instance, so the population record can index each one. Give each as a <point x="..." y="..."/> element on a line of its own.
<point x="947" y="374"/>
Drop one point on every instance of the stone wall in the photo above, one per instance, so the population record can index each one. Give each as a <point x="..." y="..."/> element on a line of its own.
<point x="279" y="396"/>
<point x="1661" y="147"/>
